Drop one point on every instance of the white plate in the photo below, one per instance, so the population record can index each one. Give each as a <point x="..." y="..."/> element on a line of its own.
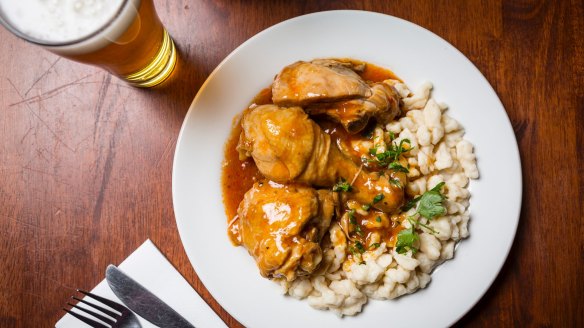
<point x="415" y="55"/>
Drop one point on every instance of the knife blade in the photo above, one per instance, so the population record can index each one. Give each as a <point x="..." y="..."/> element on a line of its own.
<point x="142" y="301"/>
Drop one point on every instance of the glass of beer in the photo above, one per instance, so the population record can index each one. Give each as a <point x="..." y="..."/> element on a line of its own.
<point x="124" y="37"/>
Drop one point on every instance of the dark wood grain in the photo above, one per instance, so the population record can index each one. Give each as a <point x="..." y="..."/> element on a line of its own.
<point x="86" y="161"/>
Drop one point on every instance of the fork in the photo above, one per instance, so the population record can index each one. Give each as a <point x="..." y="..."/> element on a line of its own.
<point x="126" y="318"/>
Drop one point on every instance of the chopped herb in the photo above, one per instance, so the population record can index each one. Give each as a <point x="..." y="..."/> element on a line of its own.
<point x="366" y="207"/>
<point x="400" y="147"/>
<point x="396" y="166"/>
<point x="375" y="245"/>
<point x="405" y="241"/>
<point x="357" y="252"/>
<point x="358" y="230"/>
<point x="342" y="185"/>
<point x="378" y="219"/>
<point x="391" y="136"/>
<point x="395" y="182"/>
<point x="390" y="157"/>
<point x="378" y="198"/>
<point x="360" y="247"/>
<point x="353" y="221"/>
<point x="352" y="218"/>
<point x="381" y="157"/>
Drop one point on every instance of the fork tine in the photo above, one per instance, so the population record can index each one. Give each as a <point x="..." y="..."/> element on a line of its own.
<point x="97" y="315"/>
<point x="88" y="321"/>
<point x="105" y="301"/>
<point x="95" y="306"/>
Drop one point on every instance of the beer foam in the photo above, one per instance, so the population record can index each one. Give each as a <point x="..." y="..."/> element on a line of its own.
<point x="59" y="21"/>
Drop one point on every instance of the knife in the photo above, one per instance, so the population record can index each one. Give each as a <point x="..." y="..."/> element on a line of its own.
<point x="142" y="301"/>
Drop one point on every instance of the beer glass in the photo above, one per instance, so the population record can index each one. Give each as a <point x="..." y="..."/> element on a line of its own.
<point x="124" y="37"/>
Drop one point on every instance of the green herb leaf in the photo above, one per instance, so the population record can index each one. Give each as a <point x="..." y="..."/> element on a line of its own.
<point x="360" y="247"/>
<point x="392" y="154"/>
<point x="366" y="207"/>
<point x="396" y="166"/>
<point x="381" y="158"/>
<point x="352" y="218"/>
<point x="378" y="198"/>
<point x="378" y="219"/>
<point x="395" y="182"/>
<point x="342" y="185"/>
<point x="405" y="241"/>
<point x="391" y="136"/>
<point x="375" y="245"/>
<point x="410" y="204"/>
<point x="438" y="187"/>
<point x="358" y="230"/>
<point x="431" y="204"/>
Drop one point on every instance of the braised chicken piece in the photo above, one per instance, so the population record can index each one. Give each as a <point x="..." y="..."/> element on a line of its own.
<point x="287" y="146"/>
<point x="334" y="89"/>
<point x="323" y="80"/>
<point x="354" y="114"/>
<point x="282" y="226"/>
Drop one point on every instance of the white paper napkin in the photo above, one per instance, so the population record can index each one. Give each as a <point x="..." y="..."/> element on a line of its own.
<point x="151" y="269"/>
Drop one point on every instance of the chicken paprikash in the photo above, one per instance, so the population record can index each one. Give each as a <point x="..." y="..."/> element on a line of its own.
<point x="299" y="163"/>
<point x="317" y="180"/>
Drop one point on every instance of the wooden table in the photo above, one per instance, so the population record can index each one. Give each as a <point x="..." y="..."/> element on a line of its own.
<point x="86" y="160"/>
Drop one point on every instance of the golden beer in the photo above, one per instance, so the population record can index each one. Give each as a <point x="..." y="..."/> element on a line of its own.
<point x="132" y="44"/>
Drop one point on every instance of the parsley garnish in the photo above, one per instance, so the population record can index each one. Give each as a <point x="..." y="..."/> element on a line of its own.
<point x="360" y="247"/>
<point x="352" y="218"/>
<point x="342" y="185"/>
<point x="392" y="154"/>
<point x="430" y="206"/>
<point x="366" y="207"/>
<point x="390" y="157"/>
<point x="353" y="221"/>
<point x="395" y="182"/>
<point x="405" y="240"/>
<point x="378" y="198"/>
<point x="396" y="166"/>
<point x="375" y="245"/>
<point x="378" y="219"/>
<point x="412" y="202"/>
